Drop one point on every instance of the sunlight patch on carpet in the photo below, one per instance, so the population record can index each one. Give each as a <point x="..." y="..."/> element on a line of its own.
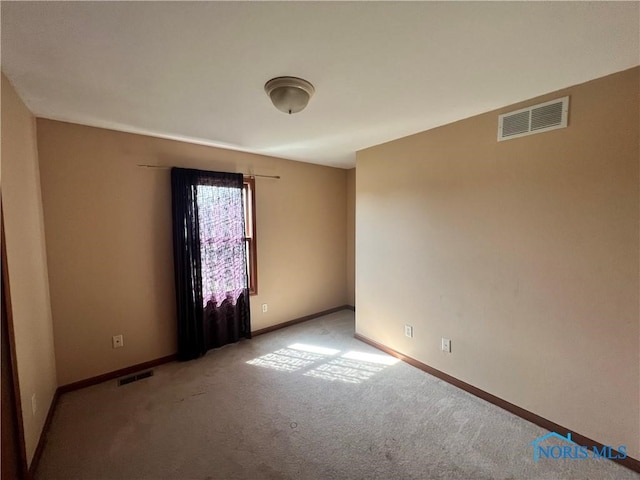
<point x="314" y="349"/>
<point x="320" y="362"/>
<point x="286" y="359"/>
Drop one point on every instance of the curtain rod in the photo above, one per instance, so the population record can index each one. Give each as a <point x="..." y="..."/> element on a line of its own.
<point x="161" y="167"/>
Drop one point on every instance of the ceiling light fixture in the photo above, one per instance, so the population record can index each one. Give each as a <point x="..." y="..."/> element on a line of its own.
<point x="289" y="94"/>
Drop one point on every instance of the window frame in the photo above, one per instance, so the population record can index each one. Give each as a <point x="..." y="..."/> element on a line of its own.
<point x="249" y="197"/>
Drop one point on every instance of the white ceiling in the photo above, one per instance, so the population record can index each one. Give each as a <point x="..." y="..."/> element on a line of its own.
<point x="382" y="70"/>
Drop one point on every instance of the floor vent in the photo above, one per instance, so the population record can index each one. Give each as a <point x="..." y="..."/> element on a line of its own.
<point x="135" y="378"/>
<point x="535" y="119"/>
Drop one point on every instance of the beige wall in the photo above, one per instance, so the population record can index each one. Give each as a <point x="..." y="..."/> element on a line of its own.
<point x="351" y="237"/>
<point x="524" y="253"/>
<point x="27" y="264"/>
<point x="109" y="243"/>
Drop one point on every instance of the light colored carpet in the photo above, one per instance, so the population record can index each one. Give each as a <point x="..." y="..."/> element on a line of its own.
<point x="276" y="407"/>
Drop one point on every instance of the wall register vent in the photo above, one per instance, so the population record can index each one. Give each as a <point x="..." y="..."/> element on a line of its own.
<point x="535" y="119"/>
<point x="135" y="378"/>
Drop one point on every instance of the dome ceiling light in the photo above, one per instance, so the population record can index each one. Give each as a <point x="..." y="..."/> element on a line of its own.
<point x="289" y="94"/>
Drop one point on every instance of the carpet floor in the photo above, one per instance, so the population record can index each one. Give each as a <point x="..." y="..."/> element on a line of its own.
<point x="306" y="402"/>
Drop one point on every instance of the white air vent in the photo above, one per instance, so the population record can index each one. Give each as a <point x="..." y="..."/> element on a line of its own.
<point x="535" y="119"/>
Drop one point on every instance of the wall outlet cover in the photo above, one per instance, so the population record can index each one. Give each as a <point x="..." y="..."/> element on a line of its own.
<point x="118" y="341"/>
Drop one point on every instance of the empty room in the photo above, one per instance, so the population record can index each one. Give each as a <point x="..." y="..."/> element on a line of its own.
<point x="320" y="240"/>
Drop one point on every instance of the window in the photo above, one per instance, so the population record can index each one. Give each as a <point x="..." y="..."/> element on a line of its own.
<point x="249" y="200"/>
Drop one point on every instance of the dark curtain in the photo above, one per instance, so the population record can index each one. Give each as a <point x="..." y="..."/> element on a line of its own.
<point x="210" y="262"/>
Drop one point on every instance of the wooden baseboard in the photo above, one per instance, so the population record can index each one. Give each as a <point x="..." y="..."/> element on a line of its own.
<point x="629" y="462"/>
<point x="43" y="435"/>
<point x="300" y="320"/>
<point x="69" y="387"/>
<point x="350" y="307"/>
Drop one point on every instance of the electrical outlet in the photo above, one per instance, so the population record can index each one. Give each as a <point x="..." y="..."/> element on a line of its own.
<point x="118" y="341"/>
<point x="446" y="345"/>
<point x="265" y="307"/>
<point x="408" y="331"/>
<point x="34" y="405"/>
